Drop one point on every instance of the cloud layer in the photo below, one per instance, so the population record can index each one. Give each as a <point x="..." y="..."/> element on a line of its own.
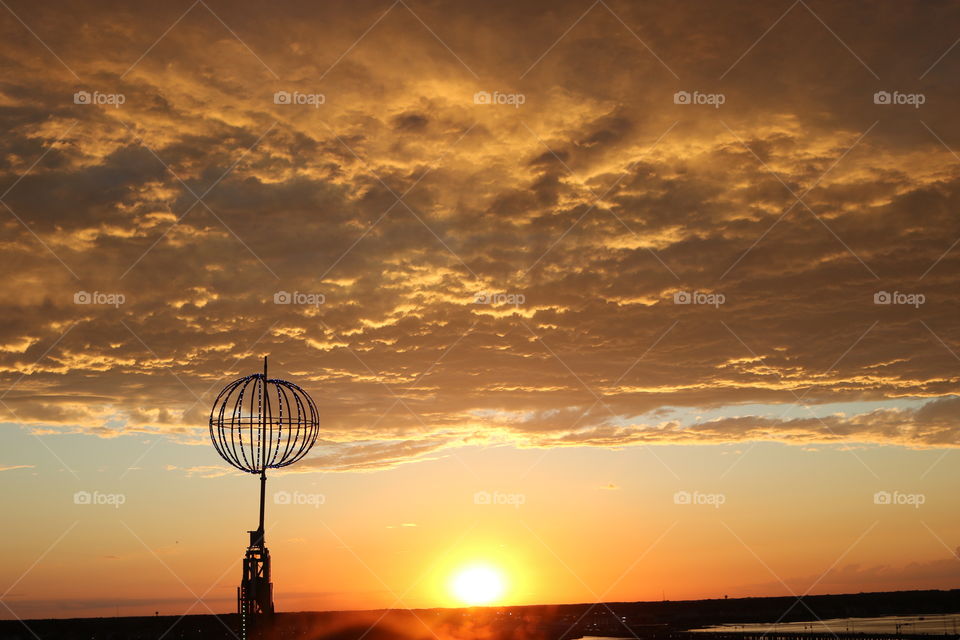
<point x="385" y="202"/>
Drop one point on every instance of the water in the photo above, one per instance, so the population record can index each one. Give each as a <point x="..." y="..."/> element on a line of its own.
<point x="930" y="624"/>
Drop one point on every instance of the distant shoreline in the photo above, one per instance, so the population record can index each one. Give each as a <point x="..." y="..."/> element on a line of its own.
<point x="883" y="603"/>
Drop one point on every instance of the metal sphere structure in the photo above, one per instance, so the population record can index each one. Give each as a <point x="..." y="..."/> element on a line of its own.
<point x="258" y="424"/>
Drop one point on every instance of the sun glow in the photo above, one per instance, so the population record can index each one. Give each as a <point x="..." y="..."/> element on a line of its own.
<point x="478" y="585"/>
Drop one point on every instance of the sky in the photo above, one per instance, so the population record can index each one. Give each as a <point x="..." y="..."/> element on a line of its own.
<point x="627" y="301"/>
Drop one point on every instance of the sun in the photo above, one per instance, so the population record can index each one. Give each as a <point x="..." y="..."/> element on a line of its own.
<point x="478" y="585"/>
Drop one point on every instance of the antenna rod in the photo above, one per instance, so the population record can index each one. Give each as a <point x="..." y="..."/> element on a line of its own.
<point x="263" y="472"/>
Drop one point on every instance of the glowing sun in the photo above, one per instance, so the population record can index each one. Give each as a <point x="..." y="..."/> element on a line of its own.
<point x="477" y="585"/>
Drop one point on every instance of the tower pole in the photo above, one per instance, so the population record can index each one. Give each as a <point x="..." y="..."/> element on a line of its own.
<point x="263" y="490"/>
<point x="263" y="472"/>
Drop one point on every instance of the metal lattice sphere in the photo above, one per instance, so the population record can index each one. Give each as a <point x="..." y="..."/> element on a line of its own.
<point x="257" y="423"/>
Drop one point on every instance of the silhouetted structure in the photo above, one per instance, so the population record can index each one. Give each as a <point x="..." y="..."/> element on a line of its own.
<point x="257" y="424"/>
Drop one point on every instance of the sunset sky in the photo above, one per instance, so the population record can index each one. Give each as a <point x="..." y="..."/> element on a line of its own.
<point x="628" y="301"/>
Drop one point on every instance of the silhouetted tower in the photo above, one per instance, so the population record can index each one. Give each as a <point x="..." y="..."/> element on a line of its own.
<point x="257" y="424"/>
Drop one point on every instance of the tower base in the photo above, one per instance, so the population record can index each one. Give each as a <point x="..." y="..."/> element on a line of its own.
<point x="255" y="593"/>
